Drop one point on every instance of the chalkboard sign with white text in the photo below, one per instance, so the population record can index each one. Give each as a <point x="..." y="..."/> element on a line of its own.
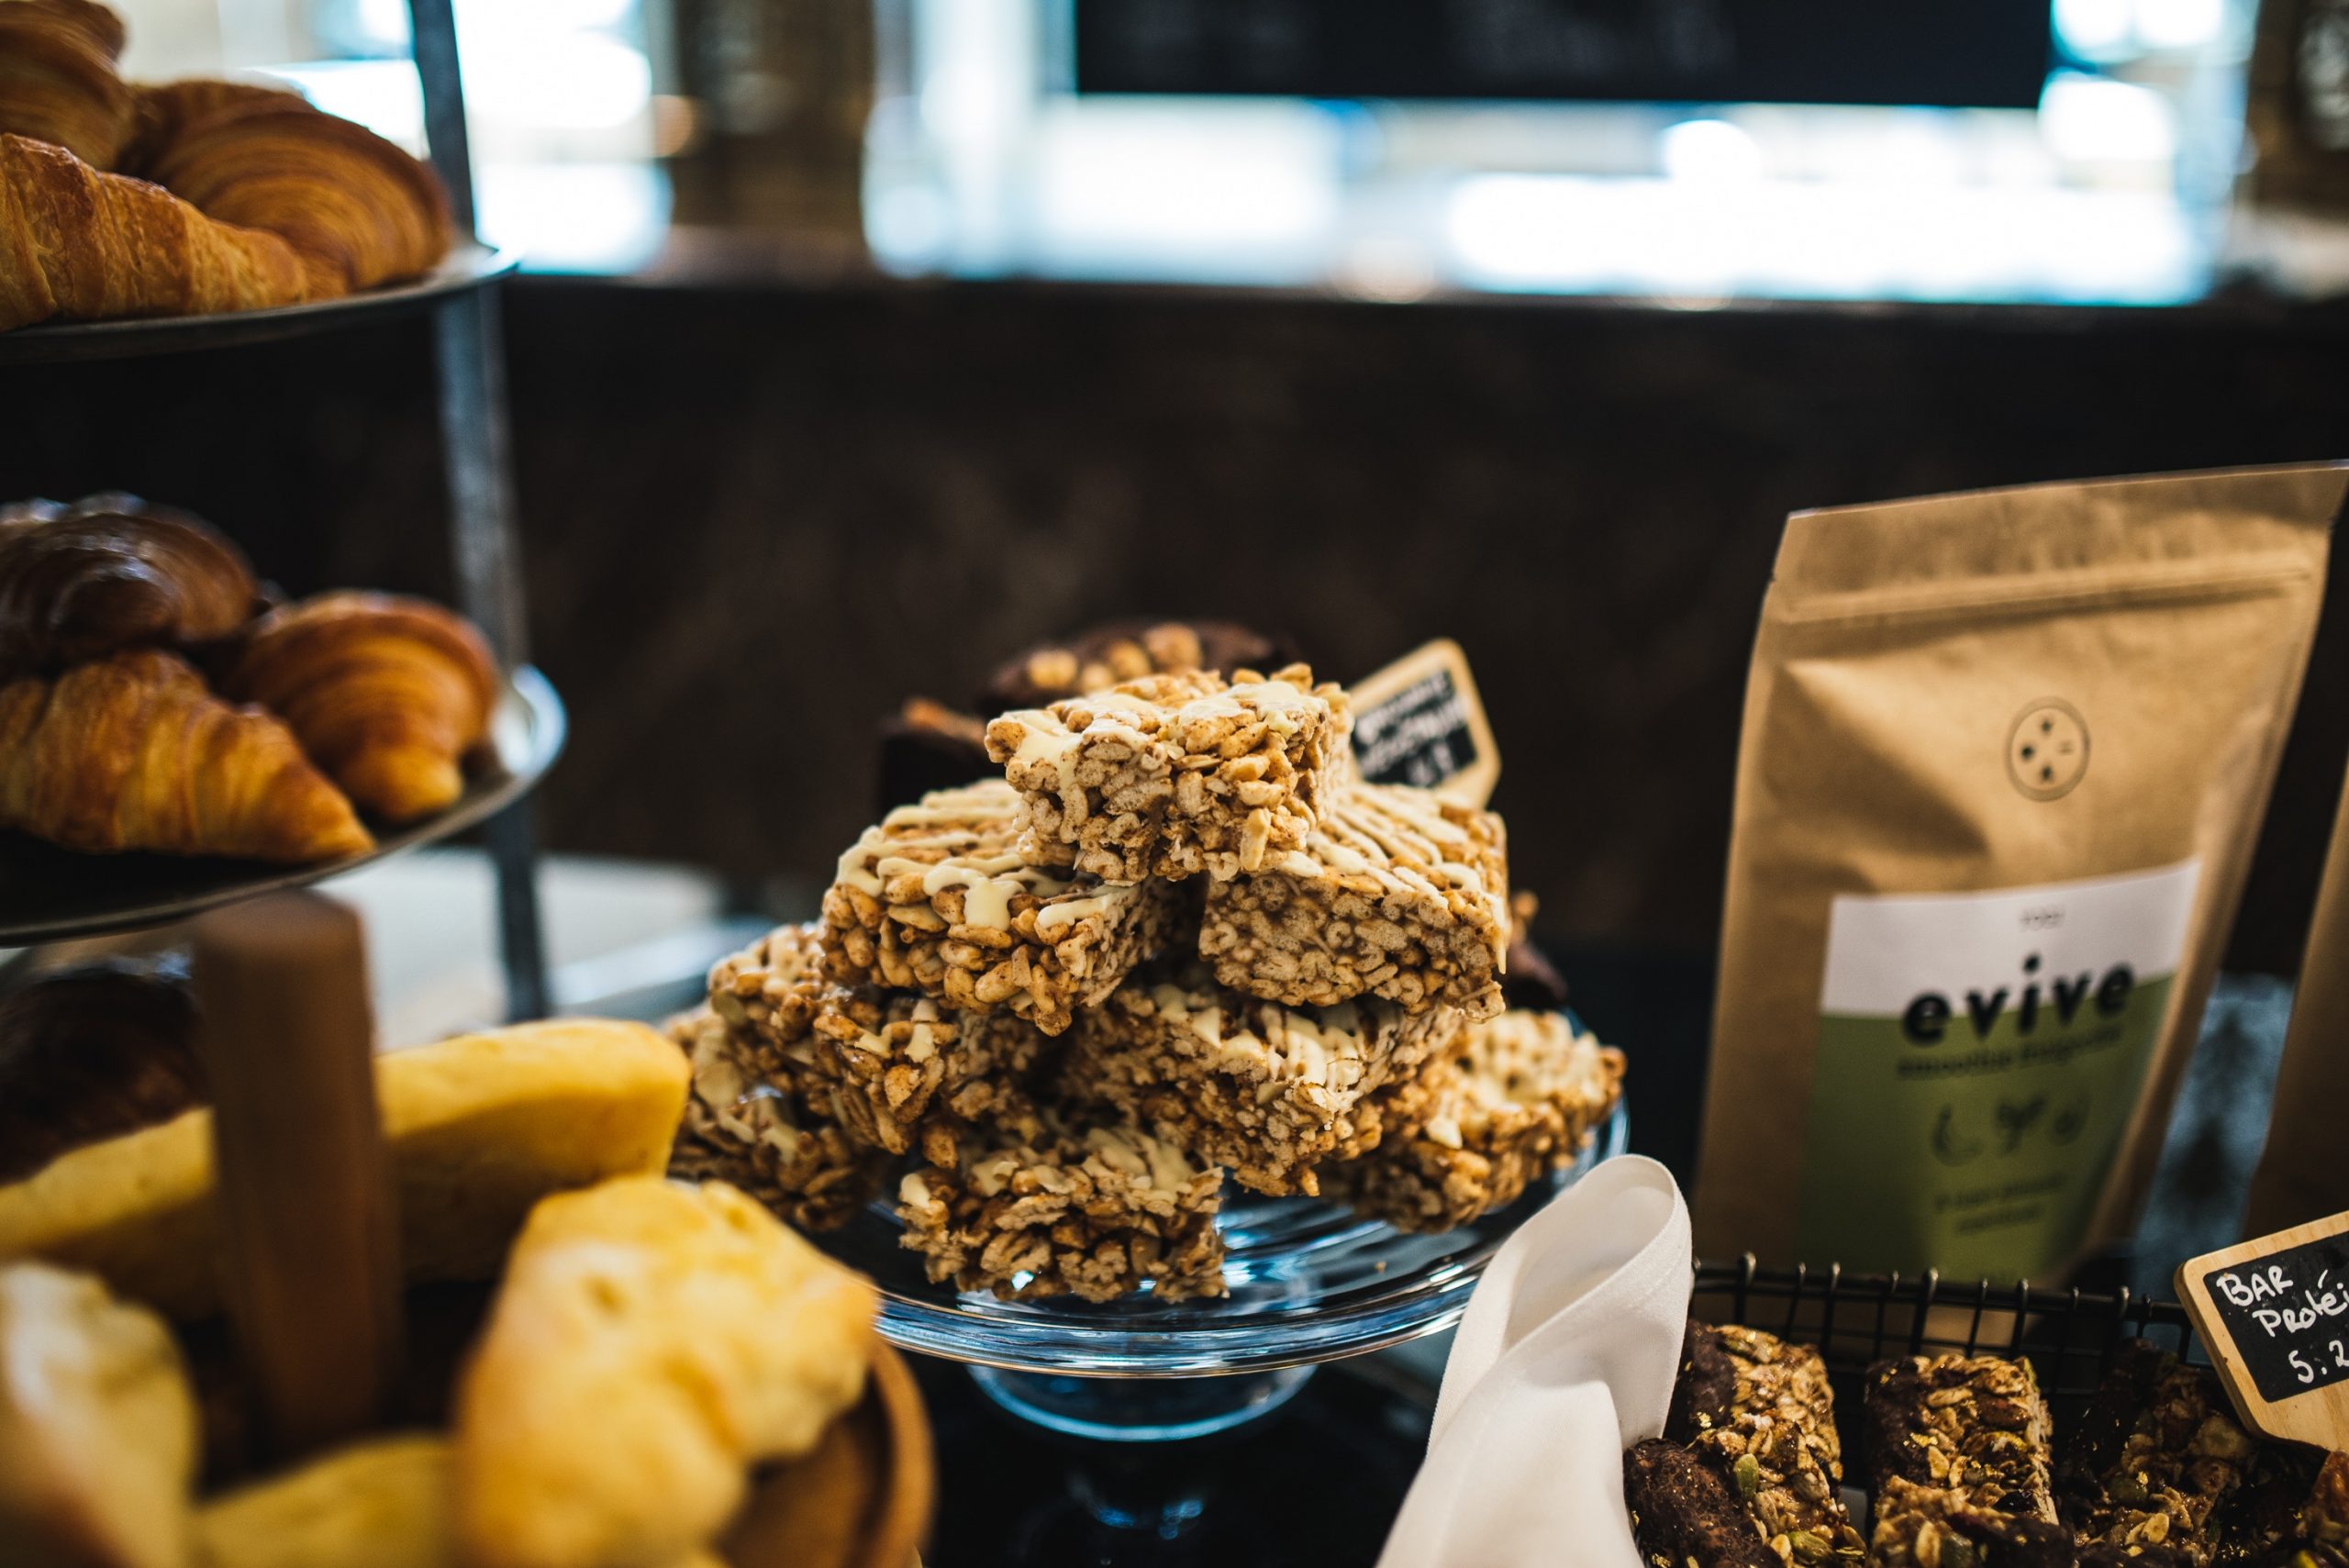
<point x="2288" y="1316"/>
<point x="2275" y="1312"/>
<point x="1419" y="722"/>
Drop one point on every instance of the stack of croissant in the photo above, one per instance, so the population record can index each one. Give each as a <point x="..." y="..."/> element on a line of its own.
<point x="150" y="698"/>
<point x="184" y="199"/>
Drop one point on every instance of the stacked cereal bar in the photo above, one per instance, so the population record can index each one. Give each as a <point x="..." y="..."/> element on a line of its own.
<point x="1515" y="1096"/>
<point x="1265" y="1090"/>
<point x="1178" y="938"/>
<point x="1042" y="1201"/>
<point x="935" y="898"/>
<point x="893" y="1066"/>
<point x="762" y="1123"/>
<point x="1175" y="775"/>
<point x="1395" y="893"/>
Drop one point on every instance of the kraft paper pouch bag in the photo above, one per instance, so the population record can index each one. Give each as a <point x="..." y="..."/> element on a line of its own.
<point x="2304" y="1171"/>
<point x="2004" y="758"/>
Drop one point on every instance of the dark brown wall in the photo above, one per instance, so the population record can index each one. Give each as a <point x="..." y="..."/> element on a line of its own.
<point x="759" y="518"/>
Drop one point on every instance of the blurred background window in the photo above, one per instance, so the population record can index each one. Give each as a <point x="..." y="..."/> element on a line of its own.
<point x="1692" y="149"/>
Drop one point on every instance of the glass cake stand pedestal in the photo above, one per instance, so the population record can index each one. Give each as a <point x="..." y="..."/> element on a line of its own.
<point x="1308" y="1283"/>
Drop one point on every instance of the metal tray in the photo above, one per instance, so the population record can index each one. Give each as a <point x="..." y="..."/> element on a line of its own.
<point x="47" y="894"/>
<point x="468" y="266"/>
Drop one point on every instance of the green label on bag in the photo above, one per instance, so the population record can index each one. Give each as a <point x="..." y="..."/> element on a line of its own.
<point x="1979" y="1058"/>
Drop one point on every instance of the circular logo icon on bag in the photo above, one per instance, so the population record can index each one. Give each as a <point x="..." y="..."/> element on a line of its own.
<point x="2047" y="754"/>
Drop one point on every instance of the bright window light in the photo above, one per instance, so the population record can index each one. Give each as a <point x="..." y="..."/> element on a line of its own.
<point x="2179" y="24"/>
<point x="2093" y="119"/>
<point x="2094" y="29"/>
<point x="1709" y="150"/>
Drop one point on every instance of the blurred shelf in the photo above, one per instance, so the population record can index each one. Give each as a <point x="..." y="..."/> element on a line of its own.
<point x="47" y="894"/>
<point x="468" y="266"/>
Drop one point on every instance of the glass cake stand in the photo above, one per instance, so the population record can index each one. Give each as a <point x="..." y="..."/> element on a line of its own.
<point x="1308" y="1283"/>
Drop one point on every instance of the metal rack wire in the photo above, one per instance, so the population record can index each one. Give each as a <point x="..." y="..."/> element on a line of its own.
<point x="2070" y="1336"/>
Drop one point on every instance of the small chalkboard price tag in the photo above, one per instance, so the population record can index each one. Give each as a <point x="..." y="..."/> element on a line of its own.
<point x="2275" y="1312"/>
<point x="1420" y="721"/>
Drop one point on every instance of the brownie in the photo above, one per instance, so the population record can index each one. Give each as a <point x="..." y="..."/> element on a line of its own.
<point x="1684" y="1510"/>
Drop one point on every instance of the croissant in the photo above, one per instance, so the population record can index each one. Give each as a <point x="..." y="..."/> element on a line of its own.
<point x="77" y="243"/>
<point x="358" y="210"/>
<point x="164" y="111"/>
<point x="134" y="753"/>
<point x="386" y="693"/>
<point x="110" y="571"/>
<point x="57" y="77"/>
<point x="92" y="1052"/>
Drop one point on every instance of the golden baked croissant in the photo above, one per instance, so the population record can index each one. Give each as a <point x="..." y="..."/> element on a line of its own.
<point x="165" y="110"/>
<point x="358" y="210"/>
<point x="57" y="77"/>
<point x="134" y="753"/>
<point x="77" y="243"/>
<point x="386" y="693"/>
<point x="111" y="571"/>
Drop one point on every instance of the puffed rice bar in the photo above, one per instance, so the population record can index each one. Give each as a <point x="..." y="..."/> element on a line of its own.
<point x="1526" y="1095"/>
<point x="935" y="898"/>
<point x="1397" y="893"/>
<point x="760" y="1122"/>
<point x="1046" y="1202"/>
<point x="911" y="1071"/>
<point x="901" y="1066"/>
<point x="1176" y="774"/>
<point x="1264" y="1090"/>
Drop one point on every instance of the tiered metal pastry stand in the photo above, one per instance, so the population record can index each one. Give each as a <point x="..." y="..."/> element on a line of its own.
<point x="44" y="898"/>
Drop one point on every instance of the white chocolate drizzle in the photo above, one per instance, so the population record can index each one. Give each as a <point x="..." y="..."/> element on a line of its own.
<point x="966" y="837"/>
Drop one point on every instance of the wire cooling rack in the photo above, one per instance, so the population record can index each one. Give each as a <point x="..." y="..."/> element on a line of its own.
<point x="2068" y="1336"/>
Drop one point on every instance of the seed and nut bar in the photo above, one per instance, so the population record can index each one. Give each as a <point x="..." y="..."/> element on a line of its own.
<point x="1396" y="893"/>
<point x="1940" y="1526"/>
<point x="901" y="1066"/>
<point x="1175" y="775"/>
<point x="2156" y="1455"/>
<point x="1684" y="1512"/>
<point x="762" y="1122"/>
<point x="2292" y="1500"/>
<point x="1263" y="1089"/>
<point x="1759" y="1408"/>
<point x="1044" y="1202"/>
<point x="935" y="898"/>
<point x="1526" y="1095"/>
<point x="1729" y="1372"/>
<point x="1974" y="1423"/>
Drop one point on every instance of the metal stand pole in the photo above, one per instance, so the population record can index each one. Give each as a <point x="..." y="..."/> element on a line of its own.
<point x="477" y="447"/>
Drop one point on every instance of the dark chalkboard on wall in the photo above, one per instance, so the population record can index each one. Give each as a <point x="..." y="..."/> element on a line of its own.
<point x="1987" y="53"/>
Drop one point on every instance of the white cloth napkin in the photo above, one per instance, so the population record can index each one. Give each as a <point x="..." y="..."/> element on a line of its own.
<point x="1565" y="1358"/>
